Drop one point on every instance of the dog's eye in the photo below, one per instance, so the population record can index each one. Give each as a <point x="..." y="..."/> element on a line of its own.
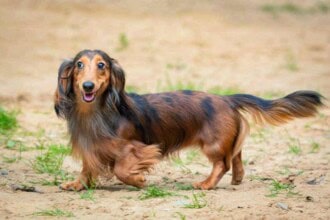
<point x="80" y="65"/>
<point x="101" y="65"/>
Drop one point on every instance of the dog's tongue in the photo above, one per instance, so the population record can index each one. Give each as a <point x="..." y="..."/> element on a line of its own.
<point x="89" y="97"/>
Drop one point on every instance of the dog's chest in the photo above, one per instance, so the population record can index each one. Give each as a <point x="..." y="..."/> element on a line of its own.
<point x="87" y="132"/>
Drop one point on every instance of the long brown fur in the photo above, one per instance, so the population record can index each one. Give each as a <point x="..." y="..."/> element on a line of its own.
<point x="128" y="133"/>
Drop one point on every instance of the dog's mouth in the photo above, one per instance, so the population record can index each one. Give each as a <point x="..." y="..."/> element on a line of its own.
<point x="89" y="96"/>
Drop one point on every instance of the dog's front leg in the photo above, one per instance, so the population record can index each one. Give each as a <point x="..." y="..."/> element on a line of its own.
<point x="82" y="182"/>
<point x="122" y="170"/>
<point x="138" y="159"/>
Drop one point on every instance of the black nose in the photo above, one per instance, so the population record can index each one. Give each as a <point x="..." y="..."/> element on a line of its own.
<point x="88" y="86"/>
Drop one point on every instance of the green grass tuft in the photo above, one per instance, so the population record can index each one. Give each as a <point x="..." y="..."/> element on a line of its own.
<point x="291" y="8"/>
<point x="295" y="149"/>
<point x="168" y="85"/>
<point x="88" y="195"/>
<point x="51" y="161"/>
<point x="14" y="145"/>
<point x="123" y="42"/>
<point x="315" y="147"/>
<point x="182" y="186"/>
<point x="155" y="192"/>
<point x="8" y="121"/>
<point x="277" y="187"/>
<point x="57" y="179"/>
<point x="178" y="162"/>
<point x="294" y="146"/>
<point x="283" y="8"/>
<point x="197" y="201"/>
<point x="291" y="63"/>
<point x="54" y="212"/>
<point x="322" y="7"/>
<point x="260" y="135"/>
<point x="181" y="216"/>
<point x="192" y="155"/>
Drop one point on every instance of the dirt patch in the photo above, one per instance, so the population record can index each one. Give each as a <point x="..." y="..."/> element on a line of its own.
<point x="264" y="49"/>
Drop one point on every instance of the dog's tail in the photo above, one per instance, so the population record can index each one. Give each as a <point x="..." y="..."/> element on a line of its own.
<point x="295" y="105"/>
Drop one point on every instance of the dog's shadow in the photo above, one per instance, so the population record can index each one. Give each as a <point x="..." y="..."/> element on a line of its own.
<point x="118" y="187"/>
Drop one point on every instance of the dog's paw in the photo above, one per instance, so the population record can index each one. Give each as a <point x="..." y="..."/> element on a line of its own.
<point x="139" y="181"/>
<point x="236" y="182"/>
<point x="203" y="185"/>
<point x="72" y="186"/>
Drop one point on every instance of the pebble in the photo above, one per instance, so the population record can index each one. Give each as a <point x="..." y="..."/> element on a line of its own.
<point x="282" y="206"/>
<point x="309" y="199"/>
<point x="3" y="172"/>
<point x="315" y="181"/>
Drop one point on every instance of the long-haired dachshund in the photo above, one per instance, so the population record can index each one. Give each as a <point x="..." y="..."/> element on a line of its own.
<point x="126" y="134"/>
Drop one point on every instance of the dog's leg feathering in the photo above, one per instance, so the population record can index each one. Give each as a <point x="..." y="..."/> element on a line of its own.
<point x="131" y="167"/>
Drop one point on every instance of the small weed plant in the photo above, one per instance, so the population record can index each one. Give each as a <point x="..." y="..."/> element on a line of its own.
<point x="197" y="201"/>
<point x="155" y="192"/>
<point x="123" y="42"/>
<point x="54" y="213"/>
<point x="276" y="187"/>
<point x="50" y="162"/>
<point x="8" y="121"/>
<point x="315" y="147"/>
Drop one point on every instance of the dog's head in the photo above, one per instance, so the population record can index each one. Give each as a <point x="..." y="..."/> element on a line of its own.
<point x="87" y="78"/>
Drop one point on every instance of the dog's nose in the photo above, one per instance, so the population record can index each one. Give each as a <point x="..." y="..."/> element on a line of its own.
<point x="88" y="86"/>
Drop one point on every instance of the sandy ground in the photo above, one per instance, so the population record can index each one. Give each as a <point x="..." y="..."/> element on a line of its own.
<point x="227" y="44"/>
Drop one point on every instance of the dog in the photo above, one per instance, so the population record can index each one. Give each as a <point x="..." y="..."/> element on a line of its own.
<point x="127" y="133"/>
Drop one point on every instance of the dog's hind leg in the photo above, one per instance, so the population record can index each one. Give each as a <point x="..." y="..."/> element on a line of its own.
<point x="221" y="152"/>
<point x="219" y="169"/>
<point x="238" y="169"/>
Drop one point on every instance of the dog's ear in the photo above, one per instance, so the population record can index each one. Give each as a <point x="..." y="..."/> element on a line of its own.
<point x="64" y="87"/>
<point x="117" y="80"/>
<point x="65" y="77"/>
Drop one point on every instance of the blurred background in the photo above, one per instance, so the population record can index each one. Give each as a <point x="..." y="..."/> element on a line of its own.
<point x="267" y="48"/>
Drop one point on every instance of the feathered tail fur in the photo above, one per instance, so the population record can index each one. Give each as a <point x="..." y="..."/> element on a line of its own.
<point x="295" y="105"/>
